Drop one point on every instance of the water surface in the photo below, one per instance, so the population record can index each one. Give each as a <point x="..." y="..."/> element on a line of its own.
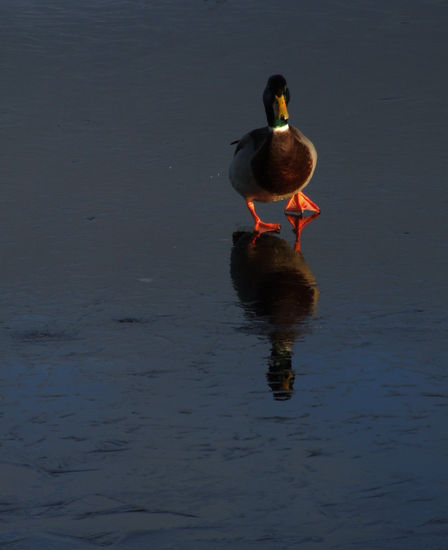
<point x="164" y="382"/>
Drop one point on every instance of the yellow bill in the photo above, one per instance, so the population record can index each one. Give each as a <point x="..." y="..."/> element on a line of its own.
<point x="282" y="110"/>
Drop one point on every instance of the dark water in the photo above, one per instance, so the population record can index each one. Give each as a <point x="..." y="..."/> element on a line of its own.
<point x="167" y="384"/>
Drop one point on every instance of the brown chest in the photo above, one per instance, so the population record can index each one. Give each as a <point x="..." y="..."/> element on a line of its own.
<point x="283" y="164"/>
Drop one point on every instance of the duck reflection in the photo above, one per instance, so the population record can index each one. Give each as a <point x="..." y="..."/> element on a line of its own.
<point x="278" y="292"/>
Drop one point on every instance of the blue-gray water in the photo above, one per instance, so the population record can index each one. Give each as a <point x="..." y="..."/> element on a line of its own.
<point x="163" y="383"/>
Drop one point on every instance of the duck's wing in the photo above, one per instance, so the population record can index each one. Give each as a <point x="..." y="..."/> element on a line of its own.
<point x="253" y="139"/>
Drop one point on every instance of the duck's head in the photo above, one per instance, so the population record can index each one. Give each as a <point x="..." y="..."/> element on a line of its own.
<point x="275" y="99"/>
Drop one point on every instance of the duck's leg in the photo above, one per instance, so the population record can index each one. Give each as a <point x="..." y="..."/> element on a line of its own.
<point x="261" y="227"/>
<point x="299" y="223"/>
<point x="299" y="202"/>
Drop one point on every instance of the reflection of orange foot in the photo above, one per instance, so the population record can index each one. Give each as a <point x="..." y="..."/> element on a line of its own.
<point x="298" y="224"/>
<point x="261" y="227"/>
<point x="299" y="202"/>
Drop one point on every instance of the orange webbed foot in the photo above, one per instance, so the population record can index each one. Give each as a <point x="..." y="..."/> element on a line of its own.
<point x="260" y="226"/>
<point x="299" y="202"/>
<point x="264" y="227"/>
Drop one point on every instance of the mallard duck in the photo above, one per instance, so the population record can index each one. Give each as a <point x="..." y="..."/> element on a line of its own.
<point x="275" y="162"/>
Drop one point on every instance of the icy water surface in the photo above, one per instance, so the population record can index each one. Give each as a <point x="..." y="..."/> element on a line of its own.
<point x="166" y="380"/>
